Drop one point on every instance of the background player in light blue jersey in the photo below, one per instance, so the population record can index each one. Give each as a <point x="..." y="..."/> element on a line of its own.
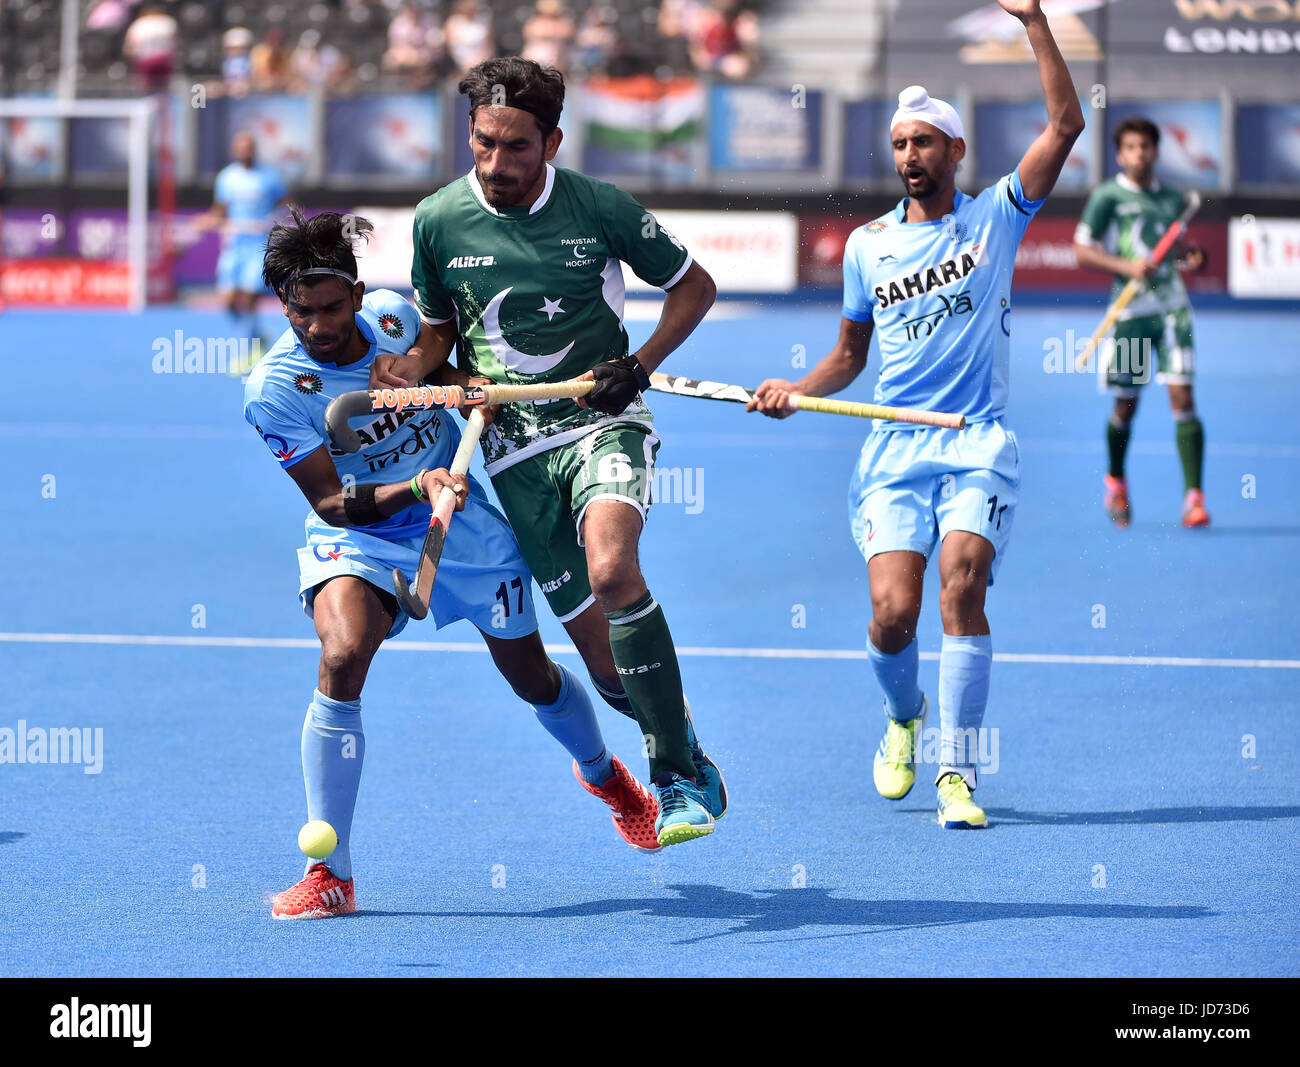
<point x="243" y="200"/>
<point x="356" y="536"/>
<point x="932" y="279"/>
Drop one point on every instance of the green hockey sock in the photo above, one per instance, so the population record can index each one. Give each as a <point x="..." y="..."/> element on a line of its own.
<point x="647" y="665"/>
<point x="1117" y="445"/>
<point x="1190" y="436"/>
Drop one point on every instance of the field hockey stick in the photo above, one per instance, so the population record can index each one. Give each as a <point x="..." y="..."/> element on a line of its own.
<point x="347" y="406"/>
<point x="415" y="600"/>
<point x="1171" y="235"/>
<point x="668" y="383"/>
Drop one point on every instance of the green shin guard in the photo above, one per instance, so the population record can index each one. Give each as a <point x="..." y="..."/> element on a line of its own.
<point x="647" y="665"/>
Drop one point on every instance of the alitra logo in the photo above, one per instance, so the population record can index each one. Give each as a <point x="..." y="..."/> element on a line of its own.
<point x="460" y="262"/>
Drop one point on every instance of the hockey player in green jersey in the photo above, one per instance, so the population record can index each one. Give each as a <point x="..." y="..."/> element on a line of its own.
<point x="1122" y="222"/>
<point x="518" y="265"/>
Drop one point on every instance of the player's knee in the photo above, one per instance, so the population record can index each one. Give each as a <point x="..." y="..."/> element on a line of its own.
<point x="615" y="582"/>
<point x="962" y="592"/>
<point x="893" y="619"/>
<point x="537" y="683"/>
<point x="344" y="658"/>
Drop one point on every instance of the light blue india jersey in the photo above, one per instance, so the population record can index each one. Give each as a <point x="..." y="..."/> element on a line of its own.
<point x="940" y="295"/>
<point x="287" y="394"/>
<point x="249" y="195"/>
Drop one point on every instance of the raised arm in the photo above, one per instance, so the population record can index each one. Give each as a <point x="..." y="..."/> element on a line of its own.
<point x="1042" y="163"/>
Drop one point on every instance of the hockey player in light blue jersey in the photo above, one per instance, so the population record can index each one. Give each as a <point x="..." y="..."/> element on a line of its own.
<point x="370" y="511"/>
<point x="932" y="280"/>
<point x="244" y="199"/>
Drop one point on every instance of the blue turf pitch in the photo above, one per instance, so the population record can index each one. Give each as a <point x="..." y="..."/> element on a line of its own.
<point x="1130" y="834"/>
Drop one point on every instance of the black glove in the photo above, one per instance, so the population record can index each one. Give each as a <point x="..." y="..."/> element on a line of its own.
<point x="617" y="384"/>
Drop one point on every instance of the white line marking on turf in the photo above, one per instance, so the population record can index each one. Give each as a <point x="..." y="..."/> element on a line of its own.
<point x="698" y="651"/>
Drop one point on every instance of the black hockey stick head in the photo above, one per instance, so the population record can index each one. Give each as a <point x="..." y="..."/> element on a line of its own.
<point x="343" y="407"/>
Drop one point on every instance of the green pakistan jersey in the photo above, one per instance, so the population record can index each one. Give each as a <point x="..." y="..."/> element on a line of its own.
<point x="1125" y="220"/>
<point x="538" y="294"/>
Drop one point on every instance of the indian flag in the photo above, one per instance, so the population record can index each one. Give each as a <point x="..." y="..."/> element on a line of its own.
<point x="640" y="123"/>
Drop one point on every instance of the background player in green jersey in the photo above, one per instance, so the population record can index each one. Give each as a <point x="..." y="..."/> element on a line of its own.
<point x="519" y="266"/>
<point x="1122" y="222"/>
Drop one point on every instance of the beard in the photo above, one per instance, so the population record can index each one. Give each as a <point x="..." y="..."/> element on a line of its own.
<point x="927" y="187"/>
<point x="510" y="194"/>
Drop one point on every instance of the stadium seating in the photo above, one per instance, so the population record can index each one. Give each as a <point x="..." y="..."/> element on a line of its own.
<point x="29" y="54"/>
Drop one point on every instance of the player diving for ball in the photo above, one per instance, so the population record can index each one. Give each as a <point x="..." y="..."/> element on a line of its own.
<point x="521" y="253"/>
<point x="356" y="536"/>
<point x="932" y="279"/>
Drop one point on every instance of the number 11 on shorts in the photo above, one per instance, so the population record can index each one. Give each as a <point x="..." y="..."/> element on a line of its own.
<point x="995" y="511"/>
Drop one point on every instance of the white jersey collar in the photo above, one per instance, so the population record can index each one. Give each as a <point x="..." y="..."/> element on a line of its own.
<point x="900" y="212"/>
<point x="1125" y="182"/>
<point x="540" y="202"/>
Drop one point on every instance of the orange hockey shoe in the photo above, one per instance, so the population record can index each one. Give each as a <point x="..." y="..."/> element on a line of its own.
<point x="318" y="896"/>
<point x="634" y="808"/>
<point x="1116" y="502"/>
<point x="1194" y="513"/>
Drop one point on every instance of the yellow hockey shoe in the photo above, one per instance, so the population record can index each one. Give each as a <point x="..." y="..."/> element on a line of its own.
<point x="894" y="769"/>
<point x="957" y="811"/>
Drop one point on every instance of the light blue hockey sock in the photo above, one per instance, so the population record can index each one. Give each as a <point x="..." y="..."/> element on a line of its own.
<point x="896" y="674"/>
<point x="333" y="749"/>
<point x="964" y="667"/>
<point x="571" y="720"/>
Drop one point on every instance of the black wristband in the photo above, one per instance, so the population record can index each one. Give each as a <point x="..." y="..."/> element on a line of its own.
<point x="618" y="381"/>
<point x="360" y="508"/>
<point x="635" y="366"/>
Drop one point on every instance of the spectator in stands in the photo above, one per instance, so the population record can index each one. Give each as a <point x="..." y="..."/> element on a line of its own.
<point x="548" y="33"/>
<point x="236" y="66"/>
<point x="724" y="40"/>
<point x="677" y="18"/>
<point x="150" y="43"/>
<point x="596" y="38"/>
<point x="109" y="16"/>
<point x="468" y="35"/>
<point x="270" y="62"/>
<point x="314" y="66"/>
<point x="414" y="44"/>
